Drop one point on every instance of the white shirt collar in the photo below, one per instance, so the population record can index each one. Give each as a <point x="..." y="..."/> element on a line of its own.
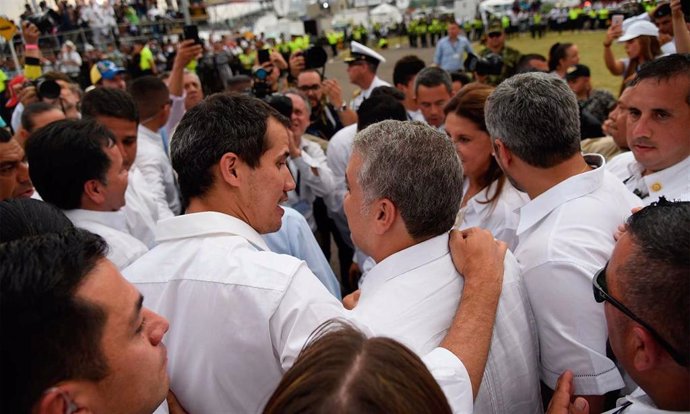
<point x="206" y="224"/>
<point x="570" y="189"/>
<point x="405" y="260"/>
<point x="656" y="181"/>
<point x="151" y="136"/>
<point x="113" y="219"/>
<point x="374" y="83"/>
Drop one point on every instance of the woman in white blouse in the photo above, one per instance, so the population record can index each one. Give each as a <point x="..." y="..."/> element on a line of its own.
<point x="489" y="200"/>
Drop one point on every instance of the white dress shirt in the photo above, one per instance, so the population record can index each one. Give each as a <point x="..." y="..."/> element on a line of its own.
<point x="123" y="248"/>
<point x="565" y="235"/>
<point x="140" y="209"/>
<point x="672" y="182"/>
<point x="364" y="94"/>
<point x="296" y="239"/>
<point x="501" y="216"/>
<point x="638" y="402"/>
<point x="153" y="162"/>
<point x="412" y="296"/>
<point x="416" y="115"/>
<point x="240" y="314"/>
<point x="308" y="184"/>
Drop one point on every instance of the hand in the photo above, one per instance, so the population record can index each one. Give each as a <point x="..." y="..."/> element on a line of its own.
<point x="332" y="89"/>
<point x="296" y="64"/>
<point x="477" y="256"/>
<point x="186" y="51"/>
<point x="30" y="33"/>
<point x="676" y="9"/>
<point x="622" y="227"/>
<point x="293" y="145"/>
<point x="614" y="32"/>
<point x="174" y="406"/>
<point x="350" y="301"/>
<point x="278" y="60"/>
<point x="664" y="38"/>
<point x="27" y="94"/>
<point x="560" y="402"/>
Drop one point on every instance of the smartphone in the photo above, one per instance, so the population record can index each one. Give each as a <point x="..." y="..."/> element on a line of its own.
<point x="263" y="56"/>
<point x="191" y="31"/>
<point x="617" y="19"/>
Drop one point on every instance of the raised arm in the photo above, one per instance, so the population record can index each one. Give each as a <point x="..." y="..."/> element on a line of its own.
<point x="616" y="67"/>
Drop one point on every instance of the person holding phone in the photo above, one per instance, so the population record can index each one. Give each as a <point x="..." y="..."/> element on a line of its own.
<point x="641" y="46"/>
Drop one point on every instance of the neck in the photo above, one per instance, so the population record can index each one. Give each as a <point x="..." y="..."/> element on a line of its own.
<point x="392" y="241"/>
<point x="367" y="80"/>
<point x="152" y="125"/>
<point x="473" y="189"/>
<point x="410" y="104"/>
<point x="542" y="179"/>
<point x="669" y="390"/>
<point x="496" y="49"/>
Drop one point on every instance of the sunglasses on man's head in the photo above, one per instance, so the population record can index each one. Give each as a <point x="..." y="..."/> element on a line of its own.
<point x="601" y="294"/>
<point x="495" y="34"/>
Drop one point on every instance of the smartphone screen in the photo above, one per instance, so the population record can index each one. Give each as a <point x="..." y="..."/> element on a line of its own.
<point x="191" y="31"/>
<point x="617" y="19"/>
<point x="263" y="56"/>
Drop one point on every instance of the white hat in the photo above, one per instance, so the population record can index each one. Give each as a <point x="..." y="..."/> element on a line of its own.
<point x="639" y="28"/>
<point x="70" y="44"/>
<point x="360" y="52"/>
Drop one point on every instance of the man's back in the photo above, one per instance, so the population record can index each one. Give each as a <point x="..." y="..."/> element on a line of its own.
<point x="412" y="296"/>
<point x="241" y="313"/>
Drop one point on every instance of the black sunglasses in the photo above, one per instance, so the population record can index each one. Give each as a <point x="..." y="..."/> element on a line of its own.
<point x="495" y="34"/>
<point x="601" y="294"/>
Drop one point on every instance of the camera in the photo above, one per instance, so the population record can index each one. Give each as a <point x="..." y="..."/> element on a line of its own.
<point x="44" y="22"/>
<point x="45" y="88"/>
<point x="261" y="87"/>
<point x="491" y="64"/>
<point x="314" y="57"/>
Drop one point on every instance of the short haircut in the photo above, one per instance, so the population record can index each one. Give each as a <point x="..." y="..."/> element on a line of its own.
<point x="379" y="108"/>
<point x="665" y="68"/>
<point x="48" y="335"/>
<point x="557" y="52"/>
<point x="219" y="124"/>
<point x="340" y="370"/>
<point x="298" y="93"/>
<point x="656" y="280"/>
<point x="150" y="94"/>
<point x="429" y="198"/>
<point x="5" y="136"/>
<point x="64" y="156"/>
<point x="111" y="102"/>
<point x="388" y="90"/>
<point x="433" y="76"/>
<point x="463" y="77"/>
<point x="406" y="68"/>
<point x="56" y="76"/>
<point x="26" y="217"/>
<point x="537" y="117"/>
<point x="524" y="65"/>
<point x="312" y="71"/>
<point x="33" y="110"/>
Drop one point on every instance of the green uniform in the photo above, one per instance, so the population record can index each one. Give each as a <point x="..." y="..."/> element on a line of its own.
<point x="510" y="60"/>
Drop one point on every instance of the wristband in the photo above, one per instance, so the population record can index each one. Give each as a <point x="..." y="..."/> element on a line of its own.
<point x="607" y="45"/>
<point x="31" y="46"/>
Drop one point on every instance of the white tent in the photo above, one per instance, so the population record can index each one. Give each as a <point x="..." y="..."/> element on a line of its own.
<point x="385" y="14"/>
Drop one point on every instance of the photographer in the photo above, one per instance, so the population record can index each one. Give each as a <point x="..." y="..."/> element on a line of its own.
<point x="495" y="44"/>
<point x="329" y="112"/>
<point x="54" y="88"/>
<point x="266" y="75"/>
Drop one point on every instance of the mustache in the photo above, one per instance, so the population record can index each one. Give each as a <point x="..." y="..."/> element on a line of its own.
<point x="644" y="141"/>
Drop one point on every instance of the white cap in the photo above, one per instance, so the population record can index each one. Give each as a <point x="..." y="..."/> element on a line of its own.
<point x="360" y="52"/>
<point x="639" y="28"/>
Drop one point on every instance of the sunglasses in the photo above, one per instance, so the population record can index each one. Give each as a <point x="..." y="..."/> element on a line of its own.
<point x="307" y="88"/>
<point x="601" y="294"/>
<point x="495" y="34"/>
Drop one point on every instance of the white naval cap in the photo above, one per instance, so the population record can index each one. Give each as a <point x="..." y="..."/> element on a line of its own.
<point x="360" y="52"/>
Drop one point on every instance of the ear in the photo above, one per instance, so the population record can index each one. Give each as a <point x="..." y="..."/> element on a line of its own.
<point x="385" y="214"/>
<point x="94" y="190"/>
<point x="63" y="399"/>
<point x="503" y="154"/>
<point x="645" y="350"/>
<point x="231" y="169"/>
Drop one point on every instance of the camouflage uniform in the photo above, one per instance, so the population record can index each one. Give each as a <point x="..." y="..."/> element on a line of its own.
<point x="598" y="104"/>
<point x="510" y="60"/>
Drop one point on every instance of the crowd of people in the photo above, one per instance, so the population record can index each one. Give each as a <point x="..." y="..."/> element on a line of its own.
<point x="508" y="238"/>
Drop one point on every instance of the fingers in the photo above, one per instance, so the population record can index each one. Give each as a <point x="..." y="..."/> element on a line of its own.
<point x="560" y="402"/>
<point x="350" y="301"/>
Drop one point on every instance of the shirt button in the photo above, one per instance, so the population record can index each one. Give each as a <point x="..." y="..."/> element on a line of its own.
<point x="656" y="187"/>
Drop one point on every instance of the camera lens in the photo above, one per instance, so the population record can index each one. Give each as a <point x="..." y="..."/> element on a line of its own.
<point x="48" y="89"/>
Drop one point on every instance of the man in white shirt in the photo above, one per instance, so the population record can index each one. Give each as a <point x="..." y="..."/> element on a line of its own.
<point x="361" y="69"/>
<point x="243" y="312"/>
<point x="154" y="104"/>
<point x="565" y="233"/>
<point x="76" y="166"/>
<point x="658" y="131"/>
<point x="307" y="163"/>
<point x="433" y="89"/>
<point x="115" y="109"/>
<point x="402" y="220"/>
<point x="644" y="288"/>
<point x="404" y="74"/>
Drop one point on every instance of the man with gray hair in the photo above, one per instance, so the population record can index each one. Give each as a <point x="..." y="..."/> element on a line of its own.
<point x="433" y="89"/>
<point x="565" y="233"/>
<point x="405" y="188"/>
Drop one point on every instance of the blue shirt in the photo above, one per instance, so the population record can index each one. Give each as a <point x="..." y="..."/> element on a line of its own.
<point x="450" y="56"/>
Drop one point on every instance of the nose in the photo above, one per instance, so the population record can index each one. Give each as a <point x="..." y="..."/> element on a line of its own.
<point x="159" y="326"/>
<point x="639" y="127"/>
<point x="289" y="181"/>
<point x="23" y="172"/>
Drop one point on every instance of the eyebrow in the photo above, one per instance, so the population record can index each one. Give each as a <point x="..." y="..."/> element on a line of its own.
<point x="137" y="309"/>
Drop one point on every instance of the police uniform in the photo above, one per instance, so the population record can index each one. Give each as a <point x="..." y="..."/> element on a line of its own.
<point x="359" y="52"/>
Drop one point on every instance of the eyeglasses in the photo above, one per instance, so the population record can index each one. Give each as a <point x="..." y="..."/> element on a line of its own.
<point x="307" y="88"/>
<point x="495" y="34"/>
<point x="601" y="294"/>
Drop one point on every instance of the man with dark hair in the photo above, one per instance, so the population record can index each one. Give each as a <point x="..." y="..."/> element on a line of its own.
<point x="329" y="112"/>
<point x="74" y="333"/>
<point x="153" y="102"/>
<point x="236" y="293"/>
<point x="645" y="288"/>
<point x="658" y="121"/>
<point x="36" y="116"/>
<point x="115" y="109"/>
<point x="14" y="171"/>
<point x="361" y="69"/>
<point x="433" y="89"/>
<point x="77" y="167"/>
<point x="596" y="102"/>
<point x="532" y="62"/>
<point x="450" y="50"/>
<point x="496" y="44"/>
<point x="404" y="74"/>
<point x="565" y="231"/>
